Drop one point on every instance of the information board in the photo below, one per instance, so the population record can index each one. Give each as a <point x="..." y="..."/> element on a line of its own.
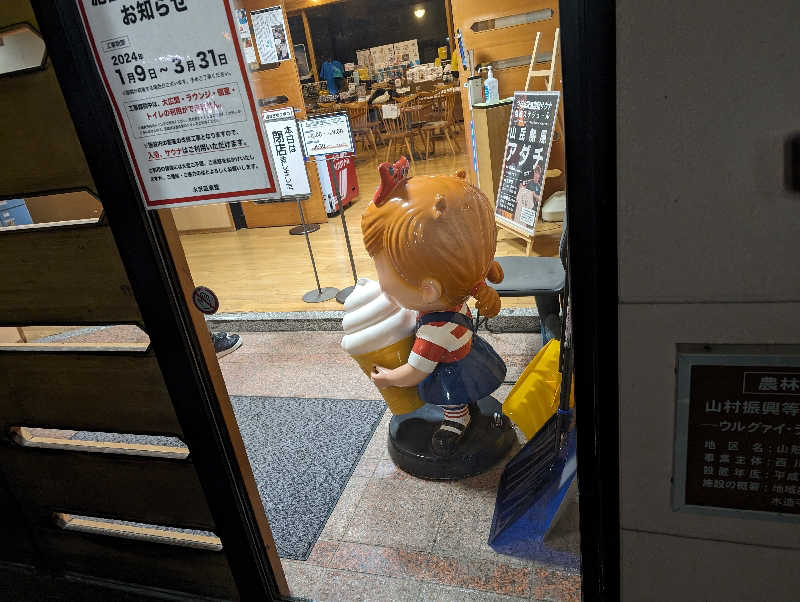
<point x="243" y="27"/>
<point x="280" y="127"/>
<point x="271" y="39"/>
<point x="528" y="141"/>
<point x="738" y="434"/>
<point x="327" y="134"/>
<point x="176" y="78"/>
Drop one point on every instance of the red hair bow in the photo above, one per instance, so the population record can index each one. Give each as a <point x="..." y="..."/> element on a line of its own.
<point x="391" y="176"/>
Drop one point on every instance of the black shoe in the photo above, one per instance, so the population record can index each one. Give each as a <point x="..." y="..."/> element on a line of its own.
<point x="225" y="343"/>
<point x="445" y="440"/>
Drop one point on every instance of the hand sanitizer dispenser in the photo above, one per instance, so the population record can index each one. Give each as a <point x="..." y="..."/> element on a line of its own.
<point x="491" y="89"/>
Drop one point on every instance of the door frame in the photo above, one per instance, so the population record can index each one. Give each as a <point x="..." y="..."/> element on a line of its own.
<point x="589" y="70"/>
<point x="588" y="30"/>
<point x="177" y="333"/>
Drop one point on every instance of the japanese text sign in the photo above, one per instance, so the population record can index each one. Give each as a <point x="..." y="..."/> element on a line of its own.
<point x="281" y="129"/>
<point x="327" y="134"/>
<point x="530" y="134"/>
<point x="738" y="434"/>
<point x="174" y="72"/>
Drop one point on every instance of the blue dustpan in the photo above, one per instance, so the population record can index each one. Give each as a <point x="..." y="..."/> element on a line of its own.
<point x="531" y="495"/>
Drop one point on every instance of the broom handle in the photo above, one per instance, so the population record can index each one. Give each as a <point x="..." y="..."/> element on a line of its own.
<point x="565" y="357"/>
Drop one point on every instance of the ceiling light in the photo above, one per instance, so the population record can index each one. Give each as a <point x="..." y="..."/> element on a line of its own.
<point x="419" y="13"/>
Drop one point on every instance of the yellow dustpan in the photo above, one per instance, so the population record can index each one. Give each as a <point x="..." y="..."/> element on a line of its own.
<point x="534" y="399"/>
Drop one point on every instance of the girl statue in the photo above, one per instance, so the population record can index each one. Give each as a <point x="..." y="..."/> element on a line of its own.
<point x="433" y="240"/>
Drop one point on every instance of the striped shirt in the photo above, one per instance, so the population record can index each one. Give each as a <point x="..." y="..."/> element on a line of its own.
<point x="441" y="342"/>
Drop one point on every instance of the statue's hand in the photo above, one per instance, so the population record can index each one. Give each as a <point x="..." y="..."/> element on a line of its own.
<point x="382" y="377"/>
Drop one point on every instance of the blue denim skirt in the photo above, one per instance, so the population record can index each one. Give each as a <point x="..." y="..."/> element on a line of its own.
<point x="468" y="380"/>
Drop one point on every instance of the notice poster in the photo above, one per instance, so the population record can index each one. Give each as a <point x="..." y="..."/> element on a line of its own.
<point x="530" y="134"/>
<point x="327" y="134"/>
<point x="738" y="434"/>
<point x="243" y="27"/>
<point x="182" y="100"/>
<point x="271" y="39"/>
<point x="364" y="58"/>
<point x="284" y="139"/>
<point x="406" y="52"/>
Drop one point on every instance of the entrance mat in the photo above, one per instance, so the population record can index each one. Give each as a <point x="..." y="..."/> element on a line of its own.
<point x="302" y="453"/>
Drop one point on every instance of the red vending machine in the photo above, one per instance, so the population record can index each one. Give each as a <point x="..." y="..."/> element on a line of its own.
<point x="337" y="173"/>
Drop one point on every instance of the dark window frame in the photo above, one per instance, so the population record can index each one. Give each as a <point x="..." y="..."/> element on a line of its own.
<point x="588" y="30"/>
<point x="588" y="59"/>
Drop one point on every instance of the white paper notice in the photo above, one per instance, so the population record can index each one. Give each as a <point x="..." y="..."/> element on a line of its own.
<point x="271" y="39"/>
<point x="327" y="135"/>
<point x="182" y="100"/>
<point x="284" y="140"/>
<point x="390" y="111"/>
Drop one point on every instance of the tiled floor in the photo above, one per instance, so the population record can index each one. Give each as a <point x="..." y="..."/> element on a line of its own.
<point x="393" y="536"/>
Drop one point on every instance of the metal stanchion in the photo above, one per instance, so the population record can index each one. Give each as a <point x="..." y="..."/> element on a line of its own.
<point x="321" y="294"/>
<point x="342" y="295"/>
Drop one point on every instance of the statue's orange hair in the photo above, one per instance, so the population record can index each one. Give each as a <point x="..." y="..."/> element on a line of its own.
<point x="438" y="227"/>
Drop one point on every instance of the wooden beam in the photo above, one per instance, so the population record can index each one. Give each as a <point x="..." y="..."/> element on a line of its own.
<point x="215" y="376"/>
<point x="23" y="437"/>
<point x="292" y="6"/>
<point x="108" y="528"/>
<point x="448" y="7"/>
<point x="311" y="55"/>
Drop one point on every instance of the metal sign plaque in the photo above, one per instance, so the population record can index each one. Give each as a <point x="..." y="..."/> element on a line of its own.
<point x="737" y="448"/>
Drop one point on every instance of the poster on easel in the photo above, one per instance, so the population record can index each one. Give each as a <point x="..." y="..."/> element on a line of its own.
<point x="528" y="142"/>
<point x="327" y="134"/>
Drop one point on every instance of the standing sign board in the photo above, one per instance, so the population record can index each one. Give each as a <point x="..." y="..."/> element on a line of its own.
<point x="280" y="127"/>
<point x="327" y="134"/>
<point x="530" y="134"/>
<point x="737" y="448"/>
<point x="176" y="78"/>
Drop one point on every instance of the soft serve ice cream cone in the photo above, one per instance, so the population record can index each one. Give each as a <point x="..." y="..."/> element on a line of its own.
<point x="378" y="332"/>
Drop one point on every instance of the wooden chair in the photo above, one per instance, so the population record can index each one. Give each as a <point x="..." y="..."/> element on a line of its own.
<point x="396" y="129"/>
<point x="418" y="115"/>
<point x="359" y="123"/>
<point x="444" y="127"/>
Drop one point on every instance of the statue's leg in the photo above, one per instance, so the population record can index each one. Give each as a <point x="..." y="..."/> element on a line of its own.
<point x="455" y="423"/>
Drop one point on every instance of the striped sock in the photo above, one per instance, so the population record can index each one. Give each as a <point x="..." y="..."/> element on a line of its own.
<point x="456" y="414"/>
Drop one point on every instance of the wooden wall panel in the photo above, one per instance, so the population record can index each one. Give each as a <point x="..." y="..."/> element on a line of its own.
<point x="70" y="274"/>
<point x="491" y="126"/>
<point x="506" y="43"/>
<point x="140" y="489"/>
<point x="107" y="392"/>
<point x="35" y="123"/>
<point x="204" y="218"/>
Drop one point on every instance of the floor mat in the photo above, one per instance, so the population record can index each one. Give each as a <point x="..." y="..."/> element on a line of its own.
<point x="302" y="452"/>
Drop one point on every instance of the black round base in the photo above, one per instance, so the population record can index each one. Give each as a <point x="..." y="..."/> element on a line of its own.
<point x="487" y="440"/>
<point x="318" y="296"/>
<point x="297" y="230"/>
<point x="342" y="295"/>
